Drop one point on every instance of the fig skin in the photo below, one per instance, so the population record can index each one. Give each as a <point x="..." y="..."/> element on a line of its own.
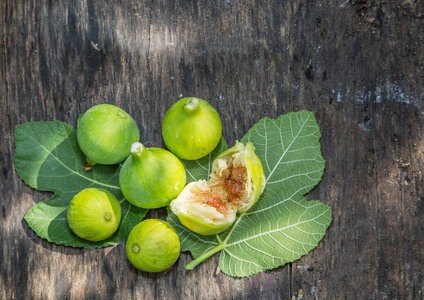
<point x="191" y="128"/>
<point x="105" y="134"/>
<point x="153" y="246"/>
<point x="94" y="214"/>
<point x="210" y="207"/>
<point x="151" y="177"/>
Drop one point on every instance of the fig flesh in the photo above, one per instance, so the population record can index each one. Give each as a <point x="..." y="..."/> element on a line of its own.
<point x="151" y="177"/>
<point x="191" y="128"/>
<point x="236" y="182"/>
<point x="94" y="214"/>
<point x="153" y="246"/>
<point x="105" y="134"/>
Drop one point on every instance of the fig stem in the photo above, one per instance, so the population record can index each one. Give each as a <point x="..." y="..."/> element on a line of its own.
<point x="137" y="148"/>
<point x="191" y="105"/>
<point x="221" y="246"/>
<point x="90" y="162"/>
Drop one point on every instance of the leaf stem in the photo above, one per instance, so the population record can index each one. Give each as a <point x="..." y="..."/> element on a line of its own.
<point x="191" y="265"/>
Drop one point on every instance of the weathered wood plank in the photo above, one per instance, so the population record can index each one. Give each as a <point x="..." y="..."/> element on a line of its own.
<point x="375" y="97"/>
<point x="358" y="65"/>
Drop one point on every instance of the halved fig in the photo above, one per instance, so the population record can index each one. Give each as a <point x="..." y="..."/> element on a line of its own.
<point x="236" y="182"/>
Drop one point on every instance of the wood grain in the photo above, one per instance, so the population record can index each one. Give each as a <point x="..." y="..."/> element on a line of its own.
<point x="358" y="65"/>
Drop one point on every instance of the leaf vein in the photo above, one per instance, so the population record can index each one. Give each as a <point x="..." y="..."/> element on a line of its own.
<point x="284" y="153"/>
<point x="63" y="164"/>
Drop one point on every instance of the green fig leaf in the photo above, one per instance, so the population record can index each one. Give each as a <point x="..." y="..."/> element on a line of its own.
<point x="48" y="158"/>
<point x="283" y="225"/>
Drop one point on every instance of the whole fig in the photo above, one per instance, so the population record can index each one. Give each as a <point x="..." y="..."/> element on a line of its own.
<point x="105" y="134"/>
<point x="153" y="246"/>
<point x="191" y="128"/>
<point x="151" y="177"/>
<point x="94" y="214"/>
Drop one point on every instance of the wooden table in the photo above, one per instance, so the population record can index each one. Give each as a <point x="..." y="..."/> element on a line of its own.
<point x="358" y="65"/>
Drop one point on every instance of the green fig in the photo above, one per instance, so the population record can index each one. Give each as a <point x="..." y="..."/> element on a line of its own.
<point x="191" y="128"/>
<point x="151" y="177"/>
<point x="94" y="214"/>
<point x="236" y="182"/>
<point x="105" y="134"/>
<point x="153" y="246"/>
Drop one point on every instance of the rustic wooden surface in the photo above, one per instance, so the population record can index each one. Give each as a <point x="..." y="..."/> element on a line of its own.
<point x="357" y="64"/>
